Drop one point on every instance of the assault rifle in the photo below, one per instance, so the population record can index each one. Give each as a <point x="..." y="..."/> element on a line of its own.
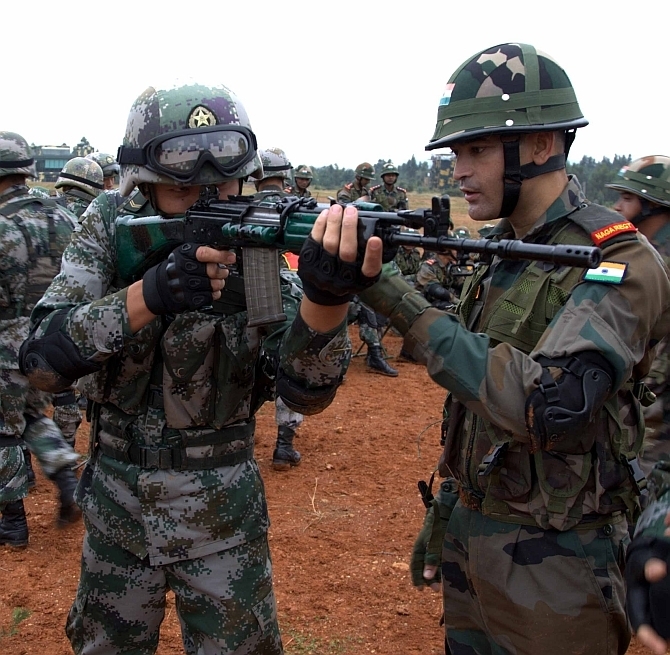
<point x="258" y="230"/>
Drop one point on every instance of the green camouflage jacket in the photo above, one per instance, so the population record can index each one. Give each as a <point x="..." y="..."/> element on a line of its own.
<point x="349" y="193"/>
<point x="391" y="201"/>
<point x="294" y="190"/>
<point x="205" y="380"/>
<point x="518" y="311"/>
<point x="408" y="261"/>
<point x="20" y="282"/>
<point x="652" y="521"/>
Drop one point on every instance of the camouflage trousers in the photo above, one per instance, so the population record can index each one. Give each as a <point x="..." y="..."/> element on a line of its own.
<point x="285" y="417"/>
<point x="367" y="323"/>
<point x="224" y="601"/>
<point x="13" y="475"/>
<point x="519" y="590"/>
<point x="68" y="420"/>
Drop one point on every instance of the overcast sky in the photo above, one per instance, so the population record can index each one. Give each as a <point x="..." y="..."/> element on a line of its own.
<point x="330" y="82"/>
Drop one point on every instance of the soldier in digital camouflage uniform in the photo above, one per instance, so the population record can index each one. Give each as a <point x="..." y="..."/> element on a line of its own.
<point x="391" y="197"/>
<point x="270" y="188"/>
<point x="644" y="200"/>
<point x="110" y="168"/>
<point x="33" y="234"/>
<point x="172" y="496"/>
<point x="302" y="178"/>
<point x="358" y="189"/>
<point x="80" y="182"/>
<point x="544" y="365"/>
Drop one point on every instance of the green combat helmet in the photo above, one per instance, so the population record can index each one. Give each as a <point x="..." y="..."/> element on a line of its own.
<point x="110" y="167"/>
<point x="365" y="170"/>
<point x="16" y="158"/>
<point x="275" y="163"/>
<point x="649" y="179"/>
<point x="83" y="174"/>
<point x="462" y="233"/>
<point x="190" y="134"/>
<point x="510" y="89"/>
<point x="389" y="169"/>
<point x="304" y="172"/>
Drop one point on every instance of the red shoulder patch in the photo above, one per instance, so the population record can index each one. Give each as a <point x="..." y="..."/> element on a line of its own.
<point x="401" y="189"/>
<point x="609" y="231"/>
<point x="429" y="261"/>
<point x="375" y="187"/>
<point x="349" y="186"/>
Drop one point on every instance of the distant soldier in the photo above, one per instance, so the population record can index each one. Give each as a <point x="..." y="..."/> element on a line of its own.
<point x="271" y="187"/>
<point x="409" y="258"/>
<point x="436" y="281"/>
<point x="110" y="168"/>
<point x="358" y="189"/>
<point x="80" y="182"/>
<point x="391" y="197"/>
<point x="302" y="177"/>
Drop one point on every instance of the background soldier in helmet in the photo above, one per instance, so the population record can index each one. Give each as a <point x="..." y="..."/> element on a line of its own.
<point x="80" y="182"/>
<point x="110" y="168"/>
<point x="391" y="197"/>
<point x="33" y="234"/>
<point x="276" y="175"/>
<point x="544" y="366"/>
<point x="302" y="178"/>
<point x="435" y="280"/>
<point x="172" y="496"/>
<point x="358" y="189"/>
<point x="644" y="200"/>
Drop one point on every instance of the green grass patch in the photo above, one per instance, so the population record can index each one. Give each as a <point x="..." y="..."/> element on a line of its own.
<point x="304" y="643"/>
<point x="18" y="614"/>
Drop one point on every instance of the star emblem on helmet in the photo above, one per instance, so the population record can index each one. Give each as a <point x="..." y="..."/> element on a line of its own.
<point x="201" y="117"/>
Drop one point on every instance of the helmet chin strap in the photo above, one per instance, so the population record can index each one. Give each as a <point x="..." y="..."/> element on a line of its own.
<point x="648" y="209"/>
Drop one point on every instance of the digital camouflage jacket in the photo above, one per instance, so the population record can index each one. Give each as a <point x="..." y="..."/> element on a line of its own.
<point x="188" y="382"/>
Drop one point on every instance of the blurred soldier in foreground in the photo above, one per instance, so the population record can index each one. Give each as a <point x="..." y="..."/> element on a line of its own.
<point x="302" y="177"/>
<point x="80" y="182"/>
<point x="171" y="494"/>
<point x="110" y="168"/>
<point x="276" y="175"/>
<point x="544" y="365"/>
<point x="644" y="200"/>
<point x="358" y="189"/>
<point x="391" y="197"/>
<point x="33" y="234"/>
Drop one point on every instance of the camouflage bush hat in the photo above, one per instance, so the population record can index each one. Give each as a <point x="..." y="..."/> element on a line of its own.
<point x="507" y="89"/>
<point x="647" y="177"/>
<point x="365" y="170"/>
<point x="275" y="163"/>
<point x="16" y="158"/>
<point x="389" y="169"/>
<point x="187" y="134"/>
<point x="304" y="172"/>
<point x="110" y="167"/>
<point x="82" y="173"/>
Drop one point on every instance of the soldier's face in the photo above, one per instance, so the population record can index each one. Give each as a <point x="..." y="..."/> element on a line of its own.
<point x="628" y="205"/>
<point x="479" y="170"/>
<point x="390" y="178"/>
<point x="302" y="182"/>
<point x="109" y="183"/>
<point x="176" y="199"/>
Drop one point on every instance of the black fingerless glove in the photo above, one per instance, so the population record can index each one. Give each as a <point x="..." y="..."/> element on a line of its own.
<point x="328" y="280"/>
<point x="179" y="284"/>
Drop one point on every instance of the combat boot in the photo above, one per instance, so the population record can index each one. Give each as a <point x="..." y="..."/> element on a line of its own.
<point x="284" y="455"/>
<point x="377" y="364"/>
<point x="66" y="481"/>
<point x="28" y="459"/>
<point x="14" y="526"/>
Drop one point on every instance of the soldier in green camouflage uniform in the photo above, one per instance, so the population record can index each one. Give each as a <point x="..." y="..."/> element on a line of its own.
<point x="270" y="188"/>
<point x="302" y="178"/>
<point x="110" y="168"/>
<point x="436" y="281"/>
<point x="644" y="200"/>
<point x="391" y="197"/>
<point x="33" y="234"/>
<point x="544" y="365"/>
<point x="172" y="496"/>
<point x="80" y="182"/>
<point x="358" y="189"/>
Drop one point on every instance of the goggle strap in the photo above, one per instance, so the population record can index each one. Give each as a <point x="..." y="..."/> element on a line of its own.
<point x="127" y="155"/>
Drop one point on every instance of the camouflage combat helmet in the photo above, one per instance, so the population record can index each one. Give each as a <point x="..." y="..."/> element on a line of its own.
<point x="16" y="158"/>
<point x="648" y="178"/>
<point x="188" y="134"/>
<point x="109" y="165"/>
<point x="509" y="89"/>
<point x="389" y="169"/>
<point x="304" y="172"/>
<point x="462" y="233"/>
<point x="82" y="173"/>
<point x="365" y="170"/>
<point x="275" y="163"/>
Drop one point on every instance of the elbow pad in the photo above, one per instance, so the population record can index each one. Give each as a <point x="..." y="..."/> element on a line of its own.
<point x="53" y="362"/>
<point x="302" y="400"/>
<point x="559" y="408"/>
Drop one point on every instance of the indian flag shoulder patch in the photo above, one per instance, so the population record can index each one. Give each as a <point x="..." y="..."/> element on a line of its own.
<point x="607" y="272"/>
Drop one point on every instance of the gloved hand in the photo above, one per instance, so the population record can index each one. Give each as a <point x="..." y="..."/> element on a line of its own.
<point x="391" y="296"/>
<point x="178" y="284"/>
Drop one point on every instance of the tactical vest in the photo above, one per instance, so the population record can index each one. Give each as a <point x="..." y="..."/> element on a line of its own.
<point x="42" y="266"/>
<point x="497" y="474"/>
